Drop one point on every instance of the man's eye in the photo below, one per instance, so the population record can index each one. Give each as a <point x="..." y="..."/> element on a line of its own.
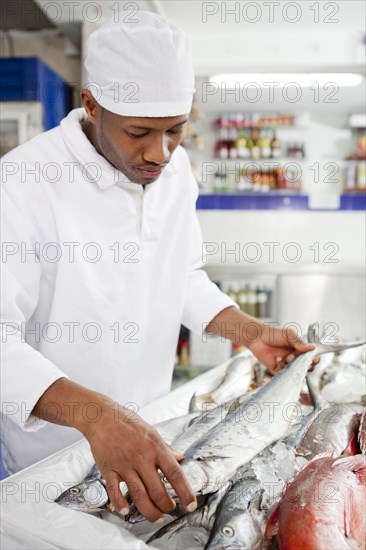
<point x="137" y="136"/>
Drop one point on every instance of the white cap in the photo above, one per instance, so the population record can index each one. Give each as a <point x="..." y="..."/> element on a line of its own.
<point x="140" y="66"/>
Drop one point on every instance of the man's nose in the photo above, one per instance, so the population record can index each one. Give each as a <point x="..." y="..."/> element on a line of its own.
<point x="157" y="151"/>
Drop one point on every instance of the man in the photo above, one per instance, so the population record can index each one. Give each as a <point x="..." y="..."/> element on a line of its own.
<point x="102" y="264"/>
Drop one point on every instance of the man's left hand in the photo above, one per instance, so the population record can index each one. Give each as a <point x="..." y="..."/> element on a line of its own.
<point x="276" y="347"/>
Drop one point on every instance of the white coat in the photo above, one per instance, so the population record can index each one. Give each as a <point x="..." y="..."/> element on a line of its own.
<point x="98" y="275"/>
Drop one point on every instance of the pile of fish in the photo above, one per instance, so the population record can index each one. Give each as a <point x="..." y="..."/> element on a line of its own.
<point x="268" y="470"/>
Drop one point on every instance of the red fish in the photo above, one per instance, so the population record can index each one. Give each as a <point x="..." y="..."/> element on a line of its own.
<point x="324" y="508"/>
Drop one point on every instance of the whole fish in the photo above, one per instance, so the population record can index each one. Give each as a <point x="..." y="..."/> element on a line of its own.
<point x="334" y="430"/>
<point x="325" y="506"/>
<point x="239" y="522"/>
<point x="342" y="383"/>
<point x="212" y="414"/>
<point x="236" y="381"/>
<point x="265" y="418"/>
<point x="202" y="518"/>
<point x="243" y="512"/>
<point x="172" y="428"/>
<point x="88" y="496"/>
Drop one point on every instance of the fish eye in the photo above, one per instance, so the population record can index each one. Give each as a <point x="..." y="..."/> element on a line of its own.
<point x="228" y="531"/>
<point x="74" y="490"/>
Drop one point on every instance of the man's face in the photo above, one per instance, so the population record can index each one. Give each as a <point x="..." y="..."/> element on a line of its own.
<point x="138" y="147"/>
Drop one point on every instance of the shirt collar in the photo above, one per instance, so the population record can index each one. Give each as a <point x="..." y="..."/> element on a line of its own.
<point x="98" y="169"/>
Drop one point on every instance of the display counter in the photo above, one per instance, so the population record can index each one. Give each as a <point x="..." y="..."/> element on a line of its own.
<point x="30" y="518"/>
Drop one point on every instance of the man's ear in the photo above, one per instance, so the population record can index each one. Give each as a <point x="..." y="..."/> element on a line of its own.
<point x="90" y="104"/>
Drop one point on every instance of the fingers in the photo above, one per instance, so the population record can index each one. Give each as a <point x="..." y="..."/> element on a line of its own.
<point x="142" y="499"/>
<point x="174" y="474"/>
<point x="118" y="502"/>
<point x="156" y="490"/>
<point x="301" y="346"/>
<point x="177" y="455"/>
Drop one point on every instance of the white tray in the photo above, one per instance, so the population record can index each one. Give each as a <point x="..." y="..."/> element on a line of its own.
<point x="30" y="518"/>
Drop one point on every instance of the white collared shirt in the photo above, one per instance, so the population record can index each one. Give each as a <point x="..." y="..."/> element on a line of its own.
<point x="98" y="275"/>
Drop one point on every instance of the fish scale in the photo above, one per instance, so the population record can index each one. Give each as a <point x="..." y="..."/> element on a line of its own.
<point x="215" y="457"/>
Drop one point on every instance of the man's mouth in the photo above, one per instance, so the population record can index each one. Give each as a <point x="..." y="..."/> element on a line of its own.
<point x="152" y="172"/>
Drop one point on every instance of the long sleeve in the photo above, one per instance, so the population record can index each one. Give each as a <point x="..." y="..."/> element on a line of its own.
<point x="26" y="373"/>
<point x="203" y="300"/>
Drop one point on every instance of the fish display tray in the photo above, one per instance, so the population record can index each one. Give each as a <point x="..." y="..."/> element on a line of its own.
<point x="30" y="518"/>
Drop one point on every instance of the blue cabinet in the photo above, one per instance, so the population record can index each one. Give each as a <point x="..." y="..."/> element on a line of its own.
<point x="30" y="79"/>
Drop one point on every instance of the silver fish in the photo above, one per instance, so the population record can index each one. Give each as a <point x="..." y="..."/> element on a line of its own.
<point x="239" y="522"/>
<point x="236" y="381"/>
<point x="172" y="428"/>
<point x="341" y="377"/>
<point x="88" y="496"/>
<point x="211" y="417"/>
<point x="332" y="430"/>
<point x="243" y="512"/>
<point x="202" y="518"/>
<point x="215" y="457"/>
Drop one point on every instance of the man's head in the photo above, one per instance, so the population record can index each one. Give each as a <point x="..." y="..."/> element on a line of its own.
<point x="139" y="147"/>
<point x="139" y="92"/>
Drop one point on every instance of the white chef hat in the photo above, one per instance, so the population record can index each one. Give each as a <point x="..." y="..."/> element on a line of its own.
<point x="140" y="65"/>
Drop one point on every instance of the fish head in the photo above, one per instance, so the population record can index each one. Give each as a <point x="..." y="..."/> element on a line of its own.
<point x="240" y="531"/>
<point x="87" y="496"/>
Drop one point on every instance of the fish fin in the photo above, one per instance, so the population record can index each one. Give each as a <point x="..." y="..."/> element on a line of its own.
<point x="356" y="463"/>
<point x="93" y="474"/>
<point x="235" y="404"/>
<point x="347" y="514"/>
<point x="272" y="523"/>
<point x="255" y="503"/>
<point x="352" y="447"/>
<point x="316" y="397"/>
<point x="197" y="400"/>
<point x="206" y="453"/>
<point x="173" y="527"/>
<point x="325" y="454"/>
<point x="203" y="457"/>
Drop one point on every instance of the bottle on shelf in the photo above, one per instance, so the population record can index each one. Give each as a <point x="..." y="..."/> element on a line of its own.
<point x="275" y="147"/>
<point x="361" y="176"/>
<point x="233" y="151"/>
<point x="222" y="146"/>
<point x="232" y="292"/>
<point x="251" y="300"/>
<point x="242" y="300"/>
<point x="242" y="147"/>
<point x="268" y="291"/>
<point x="250" y="145"/>
<point x="256" y="150"/>
<point x="262" y="299"/>
<point x="265" y="146"/>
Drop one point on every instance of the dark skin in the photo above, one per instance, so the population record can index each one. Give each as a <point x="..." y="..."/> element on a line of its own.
<point x="132" y="143"/>
<point x="129" y="451"/>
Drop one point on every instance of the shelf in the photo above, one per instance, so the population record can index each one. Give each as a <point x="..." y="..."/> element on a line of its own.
<point x="274" y="201"/>
<point x="280" y="160"/>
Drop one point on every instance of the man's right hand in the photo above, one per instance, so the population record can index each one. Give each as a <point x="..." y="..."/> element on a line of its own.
<point x="128" y="449"/>
<point x="125" y="448"/>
